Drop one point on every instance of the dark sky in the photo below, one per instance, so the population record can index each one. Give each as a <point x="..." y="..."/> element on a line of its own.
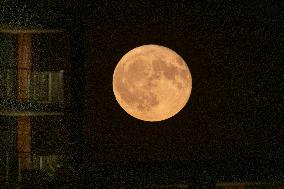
<point x="232" y="50"/>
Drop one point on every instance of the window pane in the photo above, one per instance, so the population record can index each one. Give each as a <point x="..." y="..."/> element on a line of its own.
<point x="39" y="86"/>
<point x="11" y="79"/>
<point x="47" y="86"/>
<point x="7" y="84"/>
<point x="57" y="86"/>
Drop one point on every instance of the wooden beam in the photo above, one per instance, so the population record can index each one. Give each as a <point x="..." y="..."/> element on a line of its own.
<point x="24" y="66"/>
<point x="24" y="142"/>
<point x="24" y="122"/>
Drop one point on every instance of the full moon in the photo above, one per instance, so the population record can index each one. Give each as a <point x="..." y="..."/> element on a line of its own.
<point x="152" y="83"/>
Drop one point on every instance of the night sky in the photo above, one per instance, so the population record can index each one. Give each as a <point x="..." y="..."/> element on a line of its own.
<point x="232" y="50"/>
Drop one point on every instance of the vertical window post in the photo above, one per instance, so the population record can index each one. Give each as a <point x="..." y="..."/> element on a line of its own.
<point x="49" y="87"/>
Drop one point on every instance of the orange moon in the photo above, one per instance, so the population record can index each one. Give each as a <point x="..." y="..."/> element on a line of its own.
<point x="152" y="83"/>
